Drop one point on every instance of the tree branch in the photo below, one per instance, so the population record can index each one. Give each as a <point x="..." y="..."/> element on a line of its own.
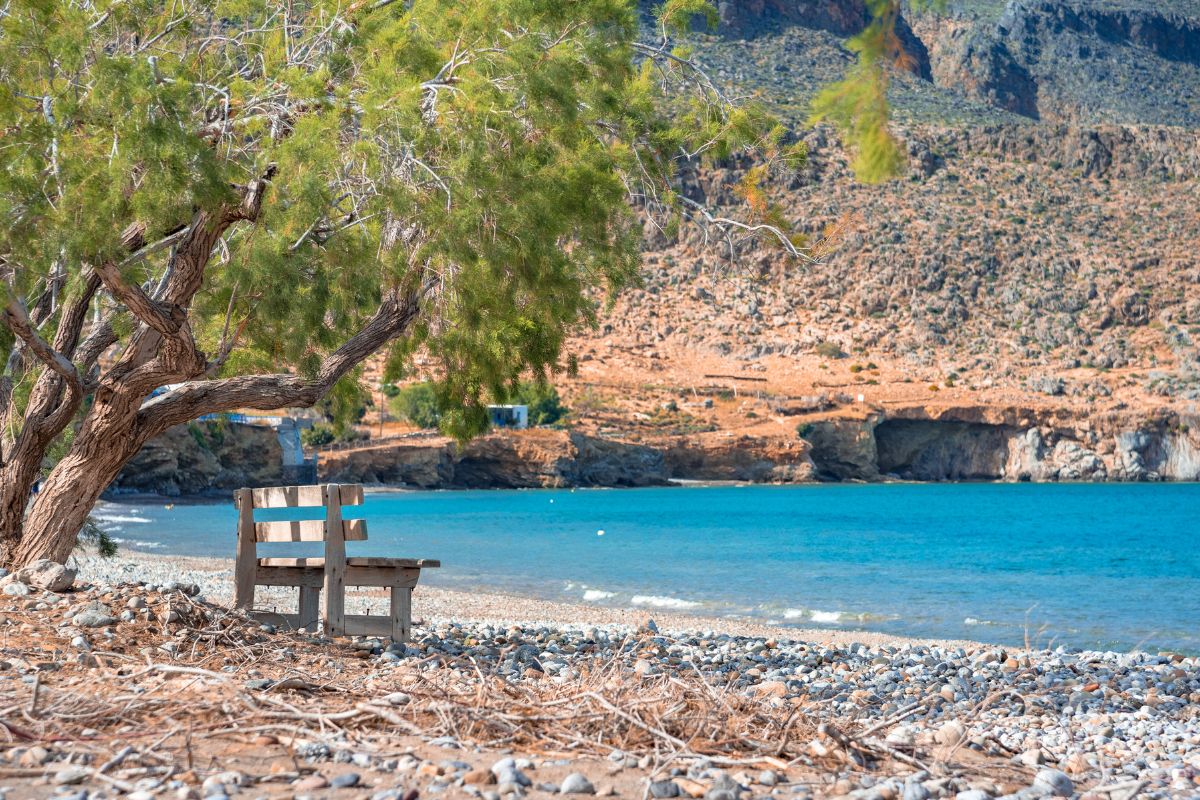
<point x="193" y="399"/>
<point x="17" y="319"/>
<point x="159" y="316"/>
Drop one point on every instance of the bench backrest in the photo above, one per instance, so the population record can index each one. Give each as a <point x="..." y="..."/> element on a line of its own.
<point x="327" y="498"/>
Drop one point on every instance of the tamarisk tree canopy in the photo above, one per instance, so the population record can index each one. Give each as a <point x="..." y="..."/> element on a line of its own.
<point x="241" y="200"/>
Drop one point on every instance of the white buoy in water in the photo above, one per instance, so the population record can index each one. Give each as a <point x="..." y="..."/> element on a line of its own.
<point x="599" y="533"/>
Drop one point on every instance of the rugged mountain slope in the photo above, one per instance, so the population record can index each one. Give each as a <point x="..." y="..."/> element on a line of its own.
<point x="1024" y="304"/>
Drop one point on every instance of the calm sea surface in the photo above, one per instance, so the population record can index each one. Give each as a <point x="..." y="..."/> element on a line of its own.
<point x="1111" y="566"/>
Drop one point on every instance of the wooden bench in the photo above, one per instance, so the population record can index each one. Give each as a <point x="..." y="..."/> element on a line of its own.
<point x="331" y="573"/>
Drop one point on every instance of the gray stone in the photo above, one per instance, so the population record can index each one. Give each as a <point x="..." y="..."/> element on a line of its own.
<point x="69" y="776"/>
<point x="662" y="789"/>
<point x="48" y="575"/>
<point x="93" y="618"/>
<point x="1056" y="781"/>
<point x="576" y="783"/>
<point x="345" y="780"/>
<point x="16" y="589"/>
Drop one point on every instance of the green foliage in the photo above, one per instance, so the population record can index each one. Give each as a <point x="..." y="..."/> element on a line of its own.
<point x="198" y="435"/>
<point x="317" y="436"/>
<point x="678" y="15"/>
<point x="92" y="535"/>
<point x="545" y="406"/>
<point x="418" y="403"/>
<point x="858" y="103"/>
<point x="485" y="155"/>
<point x="830" y="350"/>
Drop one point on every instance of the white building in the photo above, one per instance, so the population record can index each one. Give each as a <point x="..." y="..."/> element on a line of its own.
<point x="509" y="416"/>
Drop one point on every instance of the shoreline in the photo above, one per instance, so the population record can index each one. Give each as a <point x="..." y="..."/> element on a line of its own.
<point x="437" y="605"/>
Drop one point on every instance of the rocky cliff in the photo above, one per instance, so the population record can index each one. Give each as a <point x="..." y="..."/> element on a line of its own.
<point x="511" y="460"/>
<point x="202" y="458"/>
<point x="1007" y="444"/>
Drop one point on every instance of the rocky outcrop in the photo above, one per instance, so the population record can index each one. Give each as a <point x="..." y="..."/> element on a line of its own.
<point x="204" y="457"/>
<point x="724" y="456"/>
<point x="508" y="460"/>
<point x="1076" y="61"/>
<point x="746" y="19"/>
<point x="1006" y="444"/>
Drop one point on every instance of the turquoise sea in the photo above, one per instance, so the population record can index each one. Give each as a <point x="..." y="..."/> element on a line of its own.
<point x="1113" y="566"/>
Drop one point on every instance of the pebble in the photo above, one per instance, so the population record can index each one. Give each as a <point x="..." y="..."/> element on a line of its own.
<point x="345" y="781"/>
<point x="310" y="783"/>
<point x="69" y="776"/>
<point x="662" y="789"/>
<point x="1055" y="781"/>
<point x="93" y="618"/>
<point x="577" y="783"/>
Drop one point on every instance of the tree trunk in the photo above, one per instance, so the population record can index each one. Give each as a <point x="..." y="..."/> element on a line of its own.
<point x="16" y="482"/>
<point x="107" y="440"/>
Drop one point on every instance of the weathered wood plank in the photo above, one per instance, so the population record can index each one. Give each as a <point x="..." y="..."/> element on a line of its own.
<point x="310" y="608"/>
<point x="297" y="496"/>
<point x="381" y="576"/>
<point x="288" y="496"/>
<point x="244" y="566"/>
<point x="356" y="624"/>
<point x="335" y="563"/>
<point x="289" y="576"/>
<point x="308" y="530"/>
<point x="401" y="613"/>
<point x="354" y="561"/>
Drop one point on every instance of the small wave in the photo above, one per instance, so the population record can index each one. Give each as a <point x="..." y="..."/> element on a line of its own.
<point x="974" y="621"/>
<point x="794" y="613"/>
<point x="597" y="594"/>
<point x="119" y="518"/>
<point x="655" y="601"/>
<point x="136" y="544"/>
<point x="825" y="616"/>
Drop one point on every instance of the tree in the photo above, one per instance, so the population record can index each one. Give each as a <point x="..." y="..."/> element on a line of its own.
<point x="545" y="406"/>
<point x="221" y="204"/>
<point x="417" y="403"/>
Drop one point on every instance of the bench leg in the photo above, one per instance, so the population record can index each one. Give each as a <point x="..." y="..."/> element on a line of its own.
<point x="310" y="605"/>
<point x="401" y="614"/>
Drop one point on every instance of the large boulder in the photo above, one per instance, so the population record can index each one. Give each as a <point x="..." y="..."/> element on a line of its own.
<point x="47" y="574"/>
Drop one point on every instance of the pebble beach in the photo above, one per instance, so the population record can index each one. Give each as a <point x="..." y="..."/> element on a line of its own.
<point x="860" y="715"/>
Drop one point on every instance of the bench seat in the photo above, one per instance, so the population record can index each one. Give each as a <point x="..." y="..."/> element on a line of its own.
<point x="319" y="563"/>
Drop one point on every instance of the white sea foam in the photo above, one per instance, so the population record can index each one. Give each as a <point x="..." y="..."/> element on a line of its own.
<point x="656" y="601"/>
<point x="825" y="616"/>
<point x="597" y="594"/>
<point x="118" y="518"/>
<point x="135" y="544"/>
<point x="794" y="613"/>
<point x="974" y="621"/>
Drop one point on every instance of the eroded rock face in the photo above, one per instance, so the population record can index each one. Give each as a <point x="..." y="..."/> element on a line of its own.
<point x="204" y="457"/>
<point x="1000" y="444"/>
<point x="1067" y="60"/>
<point x="517" y="460"/>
